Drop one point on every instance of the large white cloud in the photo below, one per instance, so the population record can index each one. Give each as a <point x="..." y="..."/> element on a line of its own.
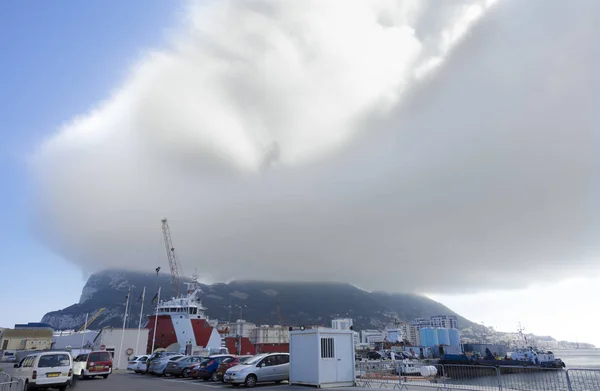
<point x="398" y="145"/>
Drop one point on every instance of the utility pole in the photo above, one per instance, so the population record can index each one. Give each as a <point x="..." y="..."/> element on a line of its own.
<point x="123" y="331"/>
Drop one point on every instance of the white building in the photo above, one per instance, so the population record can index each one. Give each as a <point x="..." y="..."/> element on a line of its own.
<point x="393" y="335"/>
<point x="110" y="339"/>
<point x="266" y="334"/>
<point x="371" y="337"/>
<point x="322" y="358"/>
<point x="241" y="328"/>
<point x="444" y="321"/>
<point x="411" y="333"/>
<point x="342" y="324"/>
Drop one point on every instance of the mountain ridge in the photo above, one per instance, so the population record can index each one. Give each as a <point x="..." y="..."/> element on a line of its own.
<point x="260" y="302"/>
<point x="300" y="303"/>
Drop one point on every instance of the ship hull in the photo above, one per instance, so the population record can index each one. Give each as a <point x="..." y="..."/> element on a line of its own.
<point x="482" y="368"/>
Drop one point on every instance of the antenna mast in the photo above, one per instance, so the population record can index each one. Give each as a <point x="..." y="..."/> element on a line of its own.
<point x="173" y="264"/>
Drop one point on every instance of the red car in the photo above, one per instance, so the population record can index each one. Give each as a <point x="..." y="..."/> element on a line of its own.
<point x="228" y="363"/>
<point x="97" y="363"/>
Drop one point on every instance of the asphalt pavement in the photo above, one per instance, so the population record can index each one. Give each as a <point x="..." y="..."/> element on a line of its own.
<point x="127" y="381"/>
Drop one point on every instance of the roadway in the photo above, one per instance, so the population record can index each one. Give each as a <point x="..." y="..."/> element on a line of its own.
<point x="121" y="380"/>
<point x="127" y="381"/>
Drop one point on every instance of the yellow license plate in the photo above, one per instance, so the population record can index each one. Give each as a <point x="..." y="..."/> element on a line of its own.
<point x="99" y="368"/>
<point x="53" y="374"/>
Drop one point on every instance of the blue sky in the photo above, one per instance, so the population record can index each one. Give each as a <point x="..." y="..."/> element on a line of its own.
<point x="58" y="59"/>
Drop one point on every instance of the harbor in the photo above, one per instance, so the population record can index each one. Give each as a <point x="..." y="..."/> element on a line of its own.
<point x="421" y="354"/>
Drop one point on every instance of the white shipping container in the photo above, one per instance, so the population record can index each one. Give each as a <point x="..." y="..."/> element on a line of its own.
<point x="322" y="357"/>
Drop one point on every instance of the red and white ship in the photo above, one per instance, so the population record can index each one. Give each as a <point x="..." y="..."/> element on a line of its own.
<point x="183" y="321"/>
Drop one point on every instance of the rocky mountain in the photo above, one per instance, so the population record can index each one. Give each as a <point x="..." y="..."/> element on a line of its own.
<point x="300" y="303"/>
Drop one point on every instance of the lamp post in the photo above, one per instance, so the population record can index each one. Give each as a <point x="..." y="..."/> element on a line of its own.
<point x="241" y="307"/>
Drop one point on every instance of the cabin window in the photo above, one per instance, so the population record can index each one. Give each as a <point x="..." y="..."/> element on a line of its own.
<point x="327" y="348"/>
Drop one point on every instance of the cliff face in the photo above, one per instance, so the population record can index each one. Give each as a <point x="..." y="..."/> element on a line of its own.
<point x="299" y="303"/>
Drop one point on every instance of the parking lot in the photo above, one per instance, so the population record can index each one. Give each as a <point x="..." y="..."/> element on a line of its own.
<point x="134" y="382"/>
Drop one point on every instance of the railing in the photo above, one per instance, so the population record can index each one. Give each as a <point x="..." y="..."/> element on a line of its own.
<point x="389" y="374"/>
<point x="9" y="383"/>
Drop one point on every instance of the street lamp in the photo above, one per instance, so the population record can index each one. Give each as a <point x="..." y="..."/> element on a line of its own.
<point x="241" y="307"/>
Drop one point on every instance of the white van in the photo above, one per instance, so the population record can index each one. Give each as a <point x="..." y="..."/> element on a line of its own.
<point x="52" y="369"/>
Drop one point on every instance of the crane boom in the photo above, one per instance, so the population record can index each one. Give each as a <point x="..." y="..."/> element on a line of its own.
<point x="93" y="318"/>
<point x="171" y="255"/>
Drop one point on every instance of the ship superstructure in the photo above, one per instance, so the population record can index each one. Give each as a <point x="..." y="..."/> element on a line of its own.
<point x="182" y="320"/>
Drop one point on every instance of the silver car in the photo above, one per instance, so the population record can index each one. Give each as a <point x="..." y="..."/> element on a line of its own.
<point x="262" y="368"/>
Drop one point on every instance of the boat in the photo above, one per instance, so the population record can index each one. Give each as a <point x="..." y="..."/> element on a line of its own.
<point x="182" y="325"/>
<point x="521" y="360"/>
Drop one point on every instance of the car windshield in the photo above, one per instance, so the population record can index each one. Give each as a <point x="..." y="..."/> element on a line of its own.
<point x="254" y="359"/>
<point x="244" y="359"/>
<point x="54" y="360"/>
<point x="182" y="358"/>
<point x="228" y="360"/>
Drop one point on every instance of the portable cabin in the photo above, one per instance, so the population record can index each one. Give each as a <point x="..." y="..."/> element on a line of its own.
<point x="322" y="357"/>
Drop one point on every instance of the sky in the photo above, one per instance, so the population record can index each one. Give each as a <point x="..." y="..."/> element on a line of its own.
<point x="446" y="150"/>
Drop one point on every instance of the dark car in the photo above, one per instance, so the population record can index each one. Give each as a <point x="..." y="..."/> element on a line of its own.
<point x="228" y="363"/>
<point x="182" y="367"/>
<point x="207" y="370"/>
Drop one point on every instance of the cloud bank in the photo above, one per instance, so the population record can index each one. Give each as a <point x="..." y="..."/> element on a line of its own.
<point x="395" y="145"/>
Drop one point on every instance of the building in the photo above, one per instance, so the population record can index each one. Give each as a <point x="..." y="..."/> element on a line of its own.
<point x="421" y="322"/>
<point x="444" y="321"/>
<point x="34" y="326"/>
<point x="342" y="324"/>
<point x="26" y="339"/>
<point x="393" y="335"/>
<point x="411" y="334"/>
<point x="73" y="340"/>
<point x="241" y="328"/>
<point x="371" y="337"/>
<point x="109" y="339"/>
<point x="266" y="334"/>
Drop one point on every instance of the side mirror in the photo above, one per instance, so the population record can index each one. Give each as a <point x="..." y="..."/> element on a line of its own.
<point x="16" y="366"/>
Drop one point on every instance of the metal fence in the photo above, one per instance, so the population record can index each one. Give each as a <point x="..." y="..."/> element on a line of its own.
<point x="390" y="374"/>
<point x="9" y="383"/>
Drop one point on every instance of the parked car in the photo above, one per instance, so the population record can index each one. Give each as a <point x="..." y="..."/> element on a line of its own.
<point x="207" y="370"/>
<point x="134" y="362"/>
<point x="97" y="363"/>
<point x="46" y="369"/>
<point x="182" y="367"/>
<point x="158" y="366"/>
<point x="156" y="356"/>
<point x="262" y="368"/>
<point x="228" y="363"/>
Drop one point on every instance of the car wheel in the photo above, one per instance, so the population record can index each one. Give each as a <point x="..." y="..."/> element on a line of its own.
<point x="250" y="381"/>
<point x="185" y="373"/>
<point x="26" y="386"/>
<point x="214" y="377"/>
<point x="105" y="376"/>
